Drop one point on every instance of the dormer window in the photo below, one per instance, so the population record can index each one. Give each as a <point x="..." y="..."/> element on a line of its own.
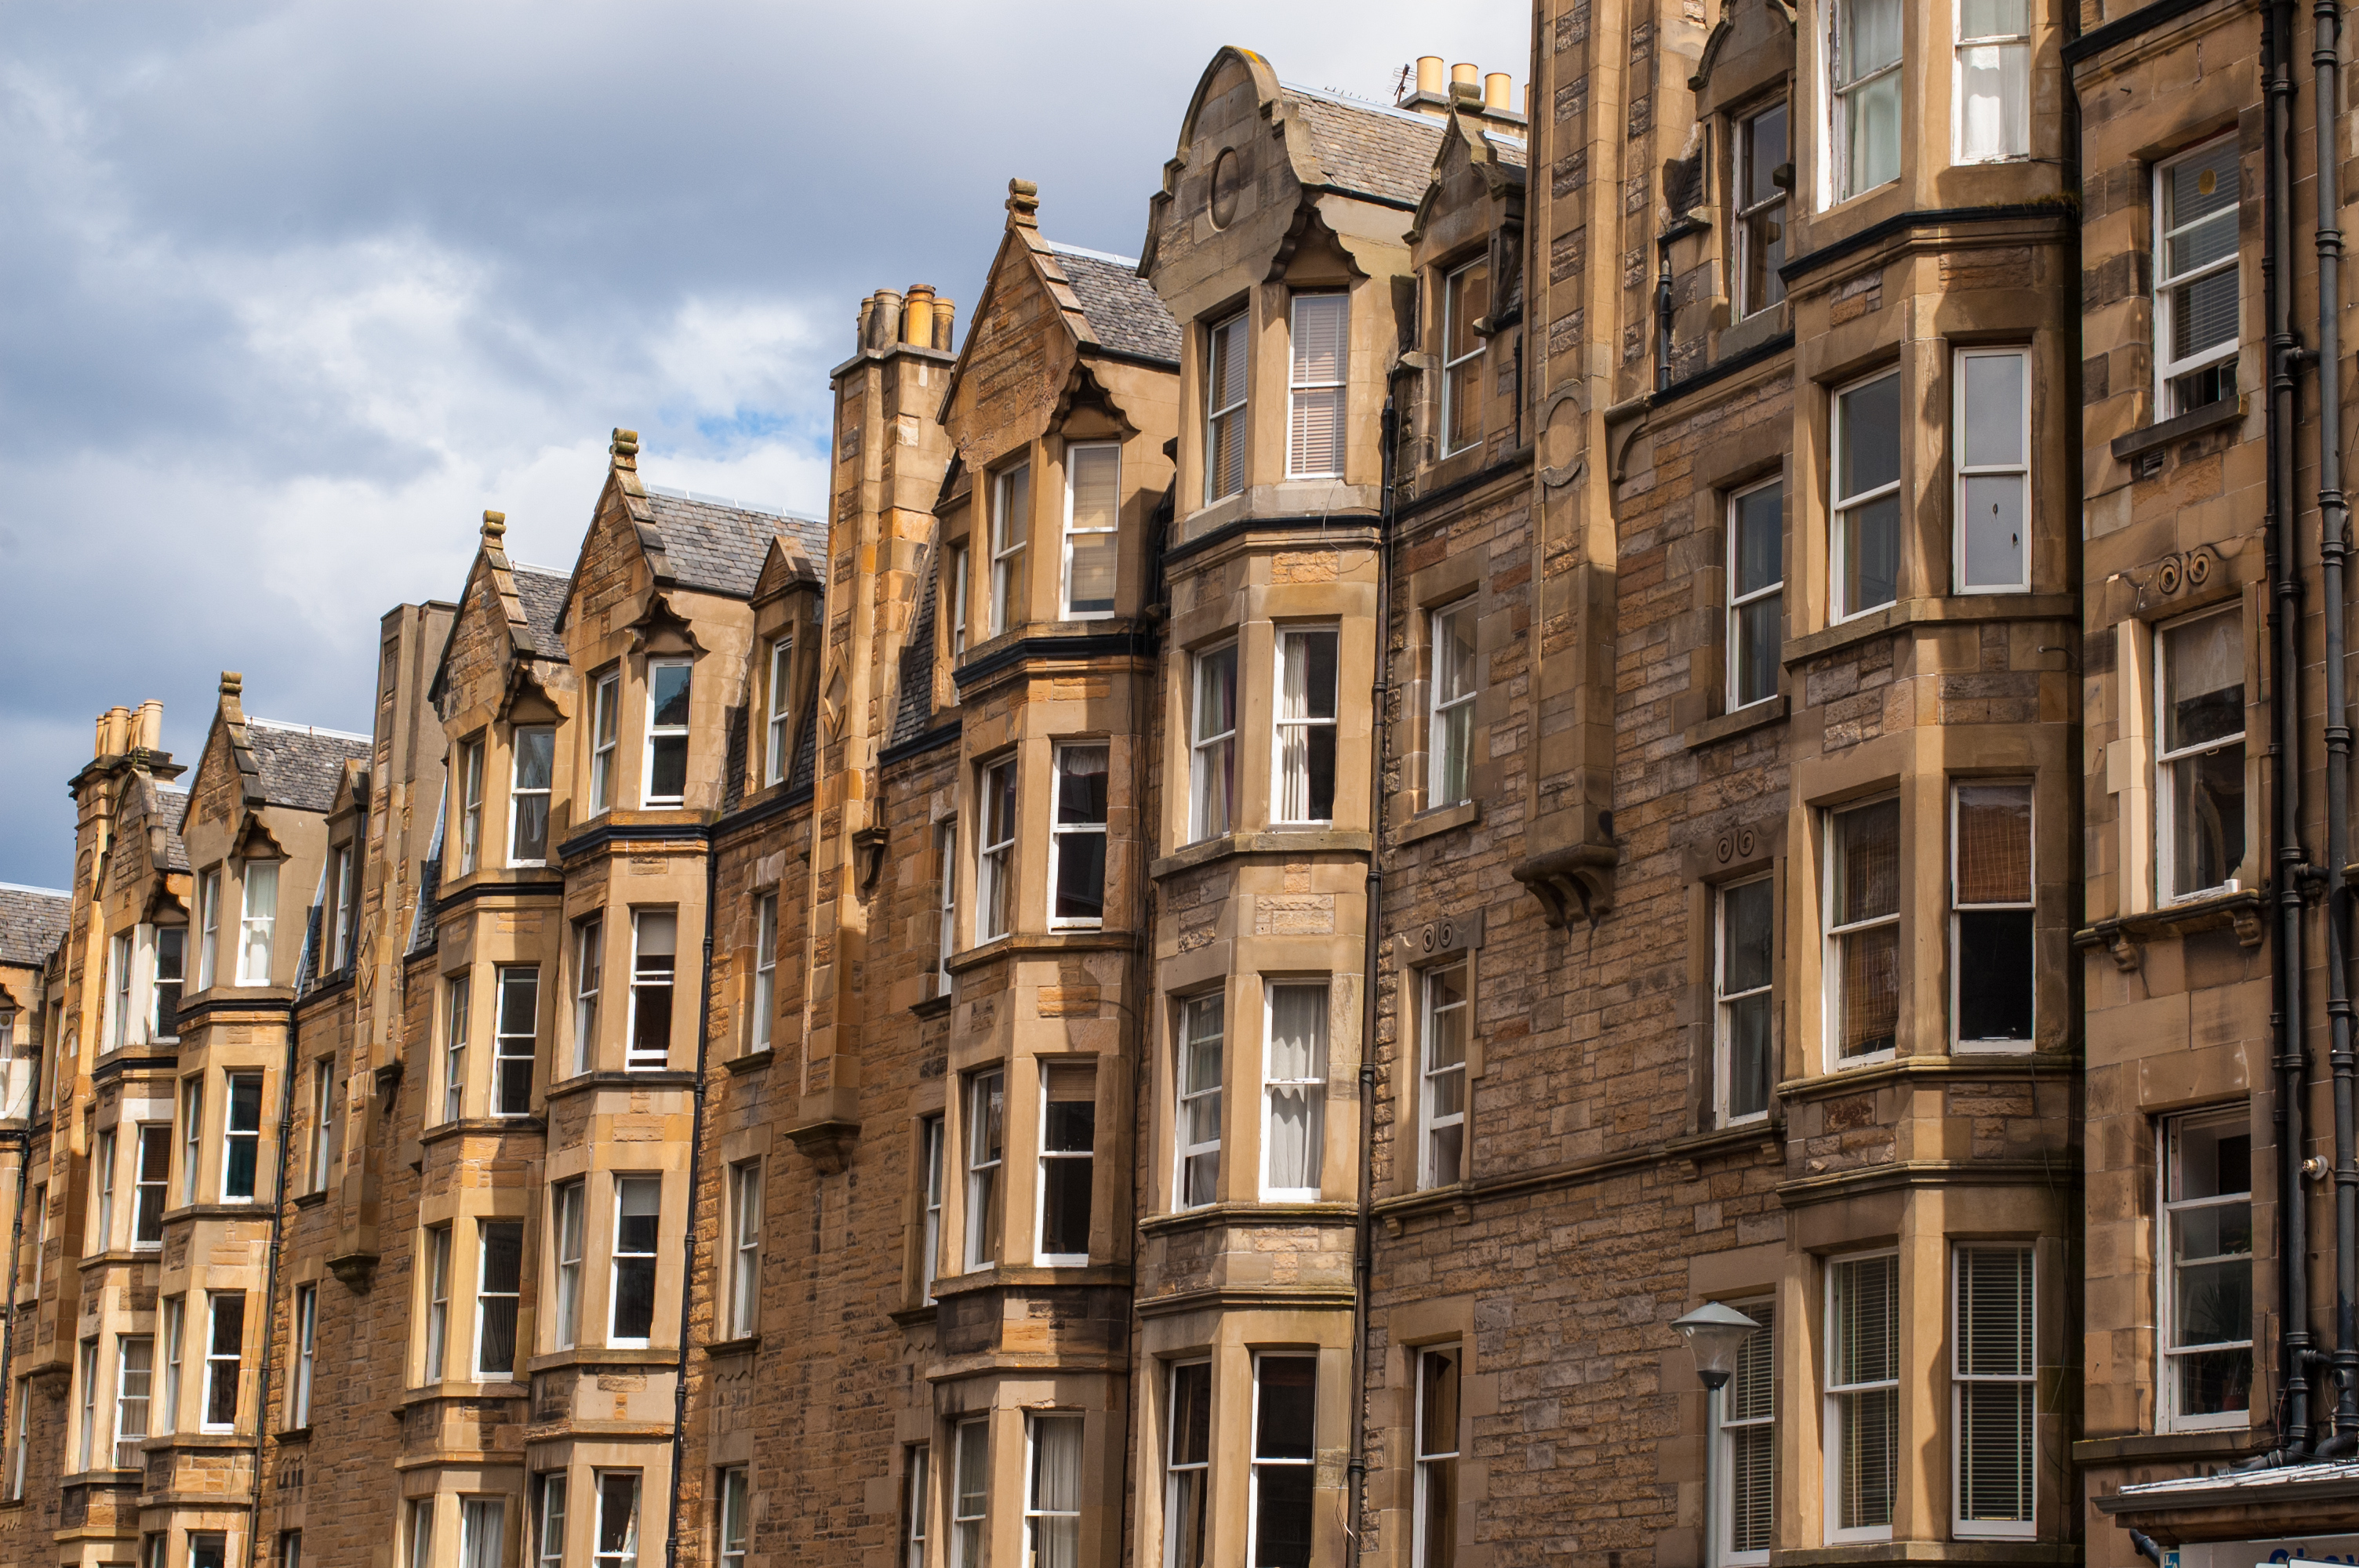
<point x="1225" y="409"/>
<point x="208" y="896"/>
<point x="471" y="805"/>
<point x="1314" y="422"/>
<point x="666" y="758"/>
<point x="536" y="757"/>
<point x="953" y="592"/>
<point x="171" y="971"/>
<point x="347" y="892"/>
<point x="773" y="748"/>
<point x="1760" y="210"/>
<point x="1011" y="502"/>
<point x="1465" y="299"/>
<point x="1092" y="516"/>
<point x="258" y="920"/>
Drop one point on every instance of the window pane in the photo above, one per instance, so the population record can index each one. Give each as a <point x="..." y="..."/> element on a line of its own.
<point x="1992" y="403"/>
<point x="1871" y="37"/>
<point x="667" y="693"/>
<point x="1765" y="150"/>
<point x="1993" y="520"/>
<point x="1875" y="134"/>
<point x="2197" y="188"/>
<point x="1082" y="785"/>
<point x="2203" y="677"/>
<point x="1070" y="1126"/>
<point x="1319" y="320"/>
<point x="1871" y="437"/>
<point x="1995" y="116"/>
<point x="1867" y="862"/>
<point x="1746" y="936"/>
<point x="534" y="749"/>
<point x="1288" y="1389"/>
<point x="1758" y="553"/>
<point x="1094" y="558"/>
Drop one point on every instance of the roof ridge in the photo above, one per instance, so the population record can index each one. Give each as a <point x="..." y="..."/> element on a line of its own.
<point x="1347" y="101"/>
<point x="729" y="502"/>
<point x="28" y="887"/>
<point x="1065" y="250"/>
<point x="560" y="573"/>
<point x="282" y="724"/>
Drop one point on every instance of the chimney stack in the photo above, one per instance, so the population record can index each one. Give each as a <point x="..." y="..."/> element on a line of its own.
<point x="918" y="316"/>
<point x="114" y="732"/>
<point x="945" y="318"/>
<point x="1467" y="73"/>
<point x="151" y="726"/>
<point x="1429" y="77"/>
<point x="1498" y="88"/>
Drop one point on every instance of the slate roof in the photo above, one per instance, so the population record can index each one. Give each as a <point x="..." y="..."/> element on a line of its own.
<point x="915" y="714"/>
<point x="1366" y="147"/>
<point x="32" y="923"/>
<point x="719" y="545"/>
<point x="301" y="765"/>
<point x="172" y="805"/>
<point x="1123" y="308"/>
<point x="1513" y="154"/>
<point x="543" y="594"/>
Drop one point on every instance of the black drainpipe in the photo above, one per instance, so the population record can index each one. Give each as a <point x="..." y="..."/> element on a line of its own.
<point x="1363" y="1251"/>
<point x="695" y="1175"/>
<point x="23" y="1143"/>
<point x="2333" y="521"/>
<point x="2284" y="724"/>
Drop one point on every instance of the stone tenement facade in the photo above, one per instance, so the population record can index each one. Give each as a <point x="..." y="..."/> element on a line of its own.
<point x="1526" y="725"/>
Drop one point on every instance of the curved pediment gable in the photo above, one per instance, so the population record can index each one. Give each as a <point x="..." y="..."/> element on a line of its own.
<point x="1749" y="49"/>
<point x="1472" y="164"/>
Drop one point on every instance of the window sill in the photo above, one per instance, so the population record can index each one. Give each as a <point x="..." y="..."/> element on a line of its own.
<point x="480" y="1126"/>
<point x="2242" y="911"/>
<point x="2224" y="1442"/>
<point x="312" y="1199"/>
<point x="1041" y="942"/>
<point x="608" y="1078"/>
<point x="1207" y="1216"/>
<point x="1441" y="820"/>
<point x="933" y="1006"/>
<point x="2140" y="442"/>
<point x="1751" y="716"/>
<point x="744" y="1344"/>
<point x="464" y="1388"/>
<point x="1294" y="841"/>
<point x="294" y="1434"/>
<point x="602" y="1356"/>
<point x="1004" y="1276"/>
<point x="1895" y="617"/>
<point x="751" y="1062"/>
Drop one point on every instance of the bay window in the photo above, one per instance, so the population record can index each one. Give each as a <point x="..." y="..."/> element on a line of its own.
<point x="1226" y="357"/>
<point x="1991" y="1374"/>
<point x="242" y="1138"/>
<point x="638" y="1218"/>
<point x="778" y="731"/>
<point x="1993" y="448"/>
<point x="766" y="971"/>
<point x="654" y="941"/>
<point x="1213" y="744"/>
<point x="929" y="1155"/>
<point x="1863" y="933"/>
<point x="1188" y="1467"/>
<point x="471" y="805"/>
<point x="606" y="711"/>
<point x="134" y="1376"/>
<point x="171" y="970"/>
<point x="1762" y="150"/>
<point x="209" y="888"/>
<point x="1994" y="80"/>
<point x="1866" y="545"/>
<point x="1991" y="915"/>
<point x="530" y="782"/>
<point x="970" y="1490"/>
<point x="1465" y="299"/>
<point x="995" y="878"/>
<point x="1011" y="513"/>
<point x="499" y="1292"/>
<point x="986" y="1151"/>
<point x="1304" y="789"/>
<point x="149" y="1179"/>
<point x="1198" y="1122"/>
<point x="566" y="1201"/>
<point x="954" y="592"/>
<point x="1068" y="1163"/>
<point x="224" y="1359"/>
<point x="454" y="1048"/>
<point x="1053" y="1503"/>
<point x="1294" y="1078"/>
<point x="1078" y="837"/>
<point x="347" y="887"/>
<point x="1286" y="1390"/>
<point x="260" y="918"/>
<point x="1862" y="1396"/>
<point x="438" y="1304"/>
<point x="669" y="689"/>
<point x="515" y="1031"/>
<point x="589" y="961"/>
<point x="616" y="1544"/>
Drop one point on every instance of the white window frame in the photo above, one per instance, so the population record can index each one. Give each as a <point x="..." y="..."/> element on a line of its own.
<point x="232" y="1133"/>
<point x="589" y="976"/>
<point x="141" y="1185"/>
<point x="1225" y="344"/>
<point x="1843" y="90"/>
<point x="1740" y="601"/>
<point x="2020" y="43"/>
<point x="1831" y="944"/>
<point x="977" y="1525"/>
<point x="1300" y="381"/>
<point x="209" y="887"/>
<point x="1427" y="1464"/>
<point x="995" y="858"/>
<point x="746" y="1254"/>
<point x="605" y="721"/>
<point x="1724" y="1000"/>
<point x="1963" y="1379"/>
<point x="985" y="1170"/>
<point x="161" y="937"/>
<point x="421" y="1533"/>
<point x="644" y="980"/>
<point x="1312" y="1088"/>
<point x="1110" y="533"/>
<point x="1959" y="908"/>
<point x="471" y="805"/>
<point x="1039" y="1521"/>
<point x="766" y="971"/>
<point x="946" y="938"/>
<point x="342" y="947"/>
<point x="86" y="1436"/>
<point x="549" y="1546"/>
<point x="918" y="1502"/>
<point x="19" y="1446"/>
<point x="124" y="1400"/>
<point x="307" y="1344"/>
<point x="215" y="1360"/>
<point x="615" y="1255"/>
<point x="519" y="792"/>
<point x="1215" y="751"/>
<point x="1768" y="208"/>
<point x="103" y="1162"/>
<point x="2167" y="1415"/>
<point x="1182" y="1474"/>
<point x="1444" y="744"/>
<point x="735" y="1520"/>
<point x="956" y="592"/>
<point x="118" y="1022"/>
<point x="1192" y="1010"/>
<point x="778" y="729"/>
<point x="569" y="1215"/>
<point x="485" y="1295"/>
<point x="1732" y="1427"/>
<point x="457" y="1002"/>
<point x="510" y="1044"/>
<point x="174" y="1335"/>
<point x="1453" y="304"/>
<point x="1288" y="640"/>
<point x="2165" y="826"/>
<point x="2167" y="370"/>
<point x="629" y="1556"/>
<point x="932" y="1150"/>
<point x="1429" y="1122"/>
<point x="1847" y="508"/>
<point x="193" y="1138"/>
<point x="648" y="797"/>
<point x="1255" y="1463"/>
<point x="437" y="1357"/>
<point x="1060" y="830"/>
<point x="1008" y="542"/>
<point x="1964" y="472"/>
<point x="1043" y="1155"/>
<point x="256" y="933"/>
<point x="1834" y="1393"/>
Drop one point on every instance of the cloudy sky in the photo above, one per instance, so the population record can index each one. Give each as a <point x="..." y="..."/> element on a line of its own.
<point x="291" y="292"/>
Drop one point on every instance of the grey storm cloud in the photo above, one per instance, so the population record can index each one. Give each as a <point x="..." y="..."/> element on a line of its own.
<point x="289" y="293"/>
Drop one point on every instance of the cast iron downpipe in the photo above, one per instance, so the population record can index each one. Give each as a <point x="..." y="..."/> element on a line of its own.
<point x="695" y="1175"/>
<point x="2290" y="1054"/>
<point x="2333" y="521"/>
<point x="1362" y="1258"/>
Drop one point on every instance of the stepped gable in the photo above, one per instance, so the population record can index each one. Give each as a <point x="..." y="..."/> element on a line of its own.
<point x="32" y="923"/>
<point x="1121" y="306"/>
<point x="301" y="766"/>
<point x="719" y="546"/>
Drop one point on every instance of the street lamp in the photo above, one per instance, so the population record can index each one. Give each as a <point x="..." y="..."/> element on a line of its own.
<point x="1714" y="1333"/>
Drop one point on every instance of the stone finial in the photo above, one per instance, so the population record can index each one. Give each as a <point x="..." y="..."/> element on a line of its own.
<point x="231" y="684"/>
<point x="625" y="450"/>
<point x="496" y="523"/>
<point x="1023" y="204"/>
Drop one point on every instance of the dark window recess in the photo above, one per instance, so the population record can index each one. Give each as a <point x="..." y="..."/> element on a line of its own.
<point x="1995" y="964"/>
<point x="1283" y="1471"/>
<point x="1065" y="1182"/>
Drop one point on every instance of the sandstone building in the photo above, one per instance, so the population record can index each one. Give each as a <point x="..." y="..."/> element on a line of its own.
<point x="1505" y="734"/>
